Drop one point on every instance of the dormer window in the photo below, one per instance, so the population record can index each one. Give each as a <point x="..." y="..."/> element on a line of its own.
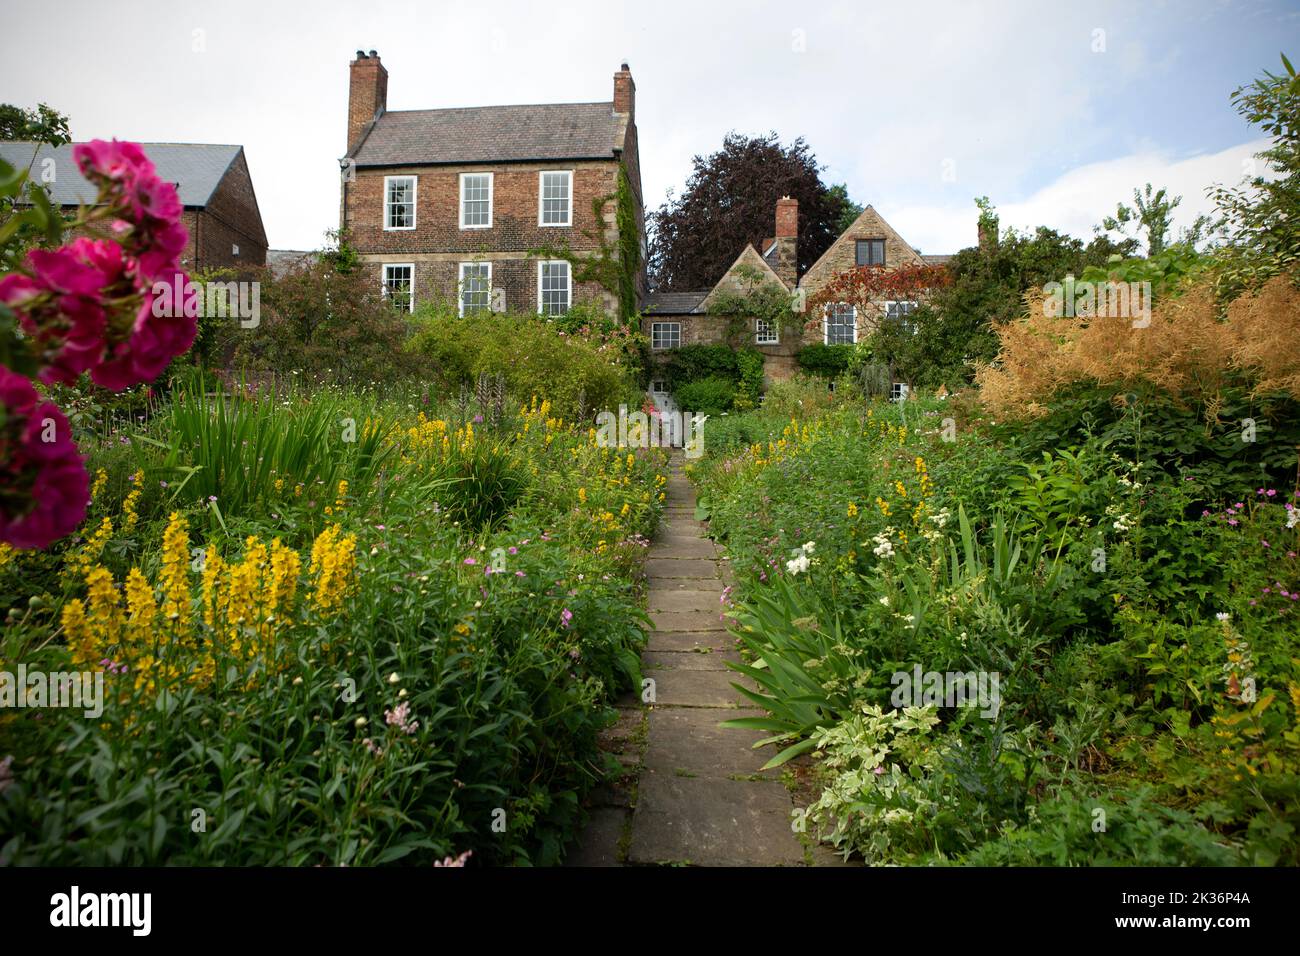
<point x="870" y="252"/>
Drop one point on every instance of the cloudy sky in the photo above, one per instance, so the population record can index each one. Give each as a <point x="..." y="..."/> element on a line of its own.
<point x="1053" y="109"/>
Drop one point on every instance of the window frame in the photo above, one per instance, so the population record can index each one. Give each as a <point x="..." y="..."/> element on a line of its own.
<point x="826" y="323"/>
<point x="460" y="286"/>
<point x="857" y="244"/>
<point x="383" y="281"/>
<point x="415" y="189"/>
<point x="903" y="318"/>
<point x="665" y="348"/>
<point x="460" y="202"/>
<point x="899" y="391"/>
<point x="568" y="284"/>
<point x="773" y="336"/>
<point x="541" y="199"/>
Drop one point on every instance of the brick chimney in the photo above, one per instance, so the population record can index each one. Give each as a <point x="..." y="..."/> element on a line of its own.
<point x="624" y="91"/>
<point x="367" y="94"/>
<point x="786" y="256"/>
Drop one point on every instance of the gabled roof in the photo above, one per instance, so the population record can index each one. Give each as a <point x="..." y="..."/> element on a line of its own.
<point x="748" y="256"/>
<point x="673" y="303"/>
<point x="491" y="134"/>
<point x="195" y="168"/>
<point x="876" y="223"/>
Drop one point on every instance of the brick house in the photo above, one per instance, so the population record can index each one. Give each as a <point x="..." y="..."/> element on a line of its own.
<point x="446" y="204"/>
<point x="683" y="318"/>
<point x="213" y="182"/>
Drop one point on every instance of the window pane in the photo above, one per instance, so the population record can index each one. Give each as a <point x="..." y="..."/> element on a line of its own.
<point x="665" y="335"/>
<point x="554" y="294"/>
<point x="475" y="286"/>
<point x="397" y="286"/>
<point x="555" y="198"/>
<point x="400" y="203"/>
<point x="839" y="325"/>
<point x="475" y="200"/>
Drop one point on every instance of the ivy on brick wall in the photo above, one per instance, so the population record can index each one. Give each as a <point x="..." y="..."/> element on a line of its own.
<point x="613" y="266"/>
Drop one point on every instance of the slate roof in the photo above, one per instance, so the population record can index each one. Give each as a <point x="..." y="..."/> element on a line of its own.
<point x="195" y="168"/>
<point x="283" y="261"/>
<point x="488" y="134"/>
<point x="674" y="303"/>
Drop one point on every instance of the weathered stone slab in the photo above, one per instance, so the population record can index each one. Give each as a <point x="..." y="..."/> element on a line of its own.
<point x="686" y="621"/>
<point x="685" y="548"/>
<point x="714" y="660"/>
<point x="700" y="569"/>
<point x="712" y="822"/>
<point x="690" y="640"/>
<point x="689" y="739"/>
<point x="684" y="598"/>
<point x="696" y="688"/>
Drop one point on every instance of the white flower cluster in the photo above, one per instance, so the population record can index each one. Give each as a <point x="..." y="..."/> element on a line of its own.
<point x="1292" y="517"/>
<point x="800" y="563"/>
<point x="884" y="548"/>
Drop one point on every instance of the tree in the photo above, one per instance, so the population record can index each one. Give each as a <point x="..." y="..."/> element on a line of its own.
<point x="41" y="125"/>
<point x="850" y="210"/>
<point x="1152" y="213"/>
<point x="730" y="200"/>
<point x="1260" y="218"/>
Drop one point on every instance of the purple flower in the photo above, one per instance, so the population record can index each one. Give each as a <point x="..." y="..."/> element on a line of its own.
<point x="566" y="616"/>
<point x="470" y="561"/>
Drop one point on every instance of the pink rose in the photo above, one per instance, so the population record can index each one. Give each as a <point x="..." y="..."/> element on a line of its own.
<point x="45" y="480"/>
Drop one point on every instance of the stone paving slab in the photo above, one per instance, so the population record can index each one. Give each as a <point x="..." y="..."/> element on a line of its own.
<point x="715" y="660"/>
<point x="680" y="568"/>
<point x="712" y="822"/>
<point x="683" y="598"/>
<point x="690" y="740"/>
<point x="686" y="621"/>
<point x="697" y="688"/>
<point x="718" y="640"/>
<point x="685" y="548"/>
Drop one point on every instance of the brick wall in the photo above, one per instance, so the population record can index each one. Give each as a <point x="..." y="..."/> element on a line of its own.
<point x="231" y="219"/>
<point x="437" y="243"/>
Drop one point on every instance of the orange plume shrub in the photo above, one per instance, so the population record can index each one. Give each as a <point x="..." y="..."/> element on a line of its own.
<point x="1188" y="350"/>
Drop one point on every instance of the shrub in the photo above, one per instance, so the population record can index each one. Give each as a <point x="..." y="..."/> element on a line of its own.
<point x="330" y="325"/>
<point x="825" y="360"/>
<point x="708" y="395"/>
<point x="534" y="358"/>
<point x="690" y="363"/>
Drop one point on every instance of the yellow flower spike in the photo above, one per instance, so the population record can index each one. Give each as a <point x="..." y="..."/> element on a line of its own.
<point x="101" y="479"/>
<point x="852" y="510"/>
<point x="175" y="575"/>
<point x="86" y="650"/>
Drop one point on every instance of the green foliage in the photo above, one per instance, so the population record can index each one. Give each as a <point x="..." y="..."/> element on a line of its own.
<point x="42" y="125"/>
<point x="829" y="361"/>
<point x="527" y="352"/>
<point x="1259" y="219"/>
<point x="509" y="676"/>
<point x="750" y="387"/>
<point x="1126" y="578"/>
<point x="327" y="324"/>
<point x="690" y="363"/>
<point x="708" y="395"/>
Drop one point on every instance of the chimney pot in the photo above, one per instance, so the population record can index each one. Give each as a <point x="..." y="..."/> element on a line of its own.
<point x="374" y="54"/>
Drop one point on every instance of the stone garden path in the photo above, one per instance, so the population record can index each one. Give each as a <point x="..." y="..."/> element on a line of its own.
<point x="691" y="792"/>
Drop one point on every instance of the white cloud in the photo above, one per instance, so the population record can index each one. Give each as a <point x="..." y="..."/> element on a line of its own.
<point x="1076" y="202"/>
